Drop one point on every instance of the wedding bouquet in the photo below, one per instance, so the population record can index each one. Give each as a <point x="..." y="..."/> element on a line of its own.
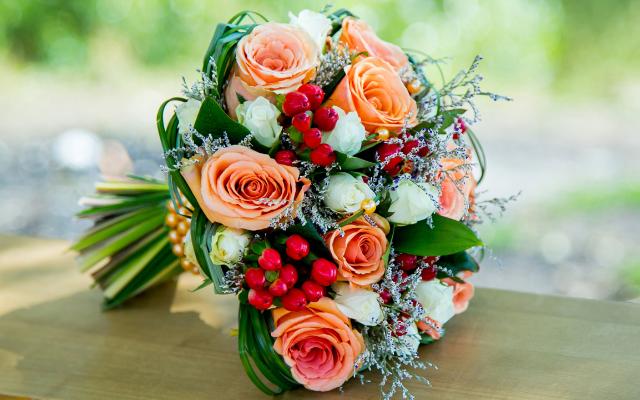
<point x="318" y="173"/>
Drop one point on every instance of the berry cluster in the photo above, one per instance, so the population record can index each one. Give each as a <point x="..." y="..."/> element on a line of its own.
<point x="408" y="264"/>
<point x="304" y="107"/>
<point x="273" y="280"/>
<point x="389" y="153"/>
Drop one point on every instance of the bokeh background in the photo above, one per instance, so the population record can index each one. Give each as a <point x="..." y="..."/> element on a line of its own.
<point x="80" y="81"/>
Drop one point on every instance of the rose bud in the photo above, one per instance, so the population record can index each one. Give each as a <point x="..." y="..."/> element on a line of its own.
<point x="325" y="118"/>
<point x="407" y="262"/>
<point x="312" y="290"/>
<point x="312" y="137"/>
<point x="295" y="103"/>
<point x="260" y="299"/>
<point x="278" y="288"/>
<point x="285" y="157"/>
<point x="255" y="278"/>
<point x="324" y="272"/>
<point x="314" y="93"/>
<point x="289" y="274"/>
<point x="294" y="300"/>
<point x="386" y="153"/>
<point x="270" y="260"/>
<point x="301" y="121"/>
<point x="323" y="155"/>
<point x="297" y="247"/>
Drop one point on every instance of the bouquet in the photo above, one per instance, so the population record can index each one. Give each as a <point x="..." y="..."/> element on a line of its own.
<point x="321" y="175"/>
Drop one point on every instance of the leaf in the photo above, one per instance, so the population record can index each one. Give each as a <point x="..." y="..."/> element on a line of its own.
<point x="213" y="120"/>
<point x="202" y="230"/>
<point x="426" y="339"/>
<point x="351" y="163"/>
<point x="458" y="262"/>
<point x="447" y="236"/>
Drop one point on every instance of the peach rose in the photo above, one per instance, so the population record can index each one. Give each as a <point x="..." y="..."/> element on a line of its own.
<point x="358" y="36"/>
<point x="274" y="58"/>
<point x="462" y="293"/>
<point x="318" y="343"/>
<point x="374" y="90"/>
<point x="241" y="188"/>
<point x="358" y="252"/>
<point x="457" y="191"/>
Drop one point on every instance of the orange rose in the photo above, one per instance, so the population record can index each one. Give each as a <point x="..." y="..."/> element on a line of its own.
<point x="358" y="252"/>
<point x="318" y="343"/>
<point x="462" y="293"/>
<point x="374" y="90"/>
<point x="241" y="188"/>
<point x="358" y="36"/>
<point x="457" y="191"/>
<point x="272" y="58"/>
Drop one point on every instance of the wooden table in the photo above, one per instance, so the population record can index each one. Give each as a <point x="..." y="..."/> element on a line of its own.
<point x="172" y="344"/>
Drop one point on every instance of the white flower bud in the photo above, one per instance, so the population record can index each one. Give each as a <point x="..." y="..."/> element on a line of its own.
<point x="187" y="113"/>
<point x="315" y="24"/>
<point x="345" y="193"/>
<point x="359" y="304"/>
<point x="412" y="202"/>
<point x="228" y="245"/>
<point x="261" y="118"/>
<point x="437" y="300"/>
<point x="348" y="134"/>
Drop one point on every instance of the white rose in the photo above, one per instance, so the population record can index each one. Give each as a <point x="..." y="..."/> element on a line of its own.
<point x="345" y="193"/>
<point x="228" y="245"/>
<point x="261" y="118"/>
<point x="437" y="300"/>
<point x="348" y="134"/>
<point x="187" y="113"/>
<point x="359" y="304"/>
<point x="412" y="202"/>
<point x="315" y="24"/>
<point x="407" y="344"/>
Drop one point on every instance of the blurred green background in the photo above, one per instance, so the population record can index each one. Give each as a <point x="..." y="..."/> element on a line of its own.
<point x="81" y="80"/>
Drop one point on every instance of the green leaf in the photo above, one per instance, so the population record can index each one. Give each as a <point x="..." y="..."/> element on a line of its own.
<point x="214" y="121"/>
<point x="202" y="230"/>
<point x="351" y="163"/>
<point x="458" y="262"/>
<point x="447" y="236"/>
<point x="203" y="285"/>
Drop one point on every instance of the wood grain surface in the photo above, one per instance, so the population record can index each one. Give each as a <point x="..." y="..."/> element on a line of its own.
<point x="55" y="343"/>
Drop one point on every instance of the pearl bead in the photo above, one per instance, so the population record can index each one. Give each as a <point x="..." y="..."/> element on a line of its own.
<point x="175" y="237"/>
<point x="368" y="206"/>
<point x="382" y="134"/>
<point x="178" y="249"/>
<point x="414" y="87"/>
<point x="182" y="227"/>
<point x="171" y="220"/>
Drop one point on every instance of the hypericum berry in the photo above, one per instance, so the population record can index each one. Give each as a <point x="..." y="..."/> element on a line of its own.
<point x="324" y="272"/>
<point x="312" y="290"/>
<point x="270" y="260"/>
<point x="429" y="272"/>
<point x="297" y="247"/>
<point x="278" y="288"/>
<point x="407" y="262"/>
<point x="260" y="299"/>
<point x="285" y="157"/>
<point x="301" y="121"/>
<point x="325" y="118"/>
<point x="289" y="274"/>
<point x="387" y="153"/>
<point x="312" y="137"/>
<point x="255" y="278"/>
<point x="294" y="300"/>
<point x="295" y="103"/>
<point x="323" y="155"/>
<point x="314" y="93"/>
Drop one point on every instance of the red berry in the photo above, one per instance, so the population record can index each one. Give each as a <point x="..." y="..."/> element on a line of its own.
<point x="289" y="274"/>
<point x="294" y="300"/>
<point x="325" y="118"/>
<point x="429" y="273"/>
<point x="385" y="296"/>
<point x="324" y="272"/>
<point x="312" y="290"/>
<point x="255" y="278"/>
<point x="260" y="299"/>
<point x="301" y="121"/>
<point x="400" y="329"/>
<point x="297" y="247"/>
<point x="323" y="155"/>
<point x="278" y="288"/>
<point x="270" y="260"/>
<point x="295" y="103"/>
<point x="312" y="137"/>
<point x="286" y="157"/>
<point x="408" y="262"/>
<point x="314" y="93"/>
